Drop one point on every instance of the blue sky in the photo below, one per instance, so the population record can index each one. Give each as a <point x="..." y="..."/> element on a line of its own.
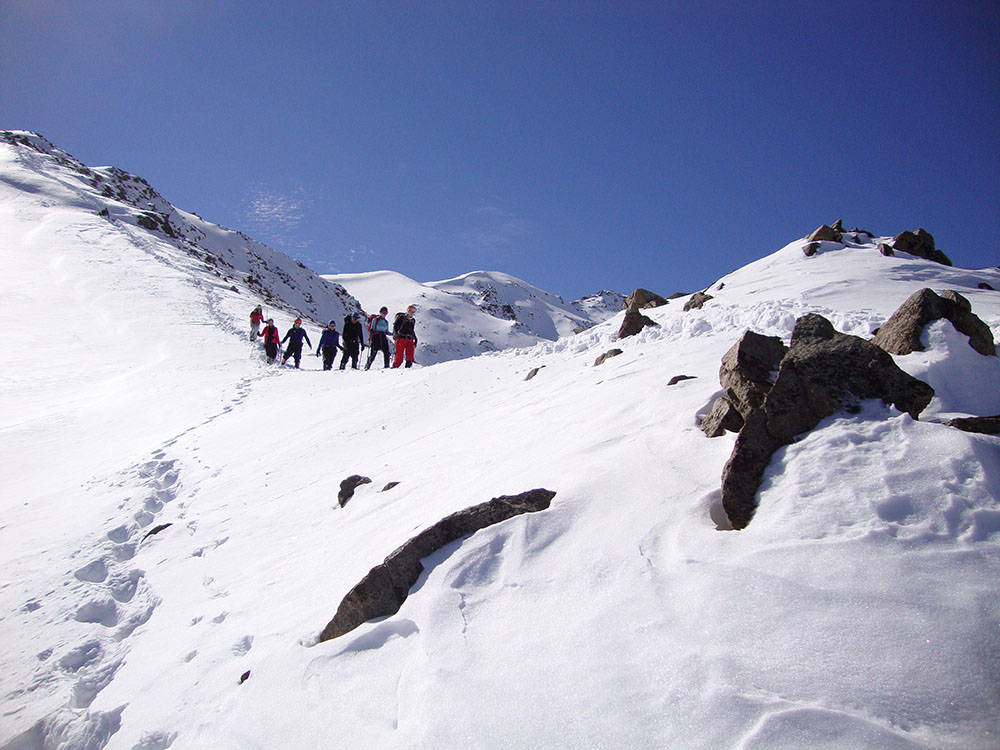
<point x="577" y="145"/>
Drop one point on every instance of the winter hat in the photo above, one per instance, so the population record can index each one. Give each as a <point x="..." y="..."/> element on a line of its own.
<point x="411" y="308"/>
<point x="356" y="316"/>
<point x="384" y="311"/>
<point x="332" y="323"/>
<point x="298" y="320"/>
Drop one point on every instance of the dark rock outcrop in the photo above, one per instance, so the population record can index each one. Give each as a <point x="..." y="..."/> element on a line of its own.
<point x="642" y="299"/>
<point x="824" y="372"/>
<point x="921" y="244"/>
<point x="606" y="356"/>
<point x="886" y="249"/>
<point x="748" y="369"/>
<point x="722" y="418"/>
<point x="810" y="249"/>
<point x="678" y="378"/>
<point x="984" y="285"/>
<point x="156" y="530"/>
<point x="697" y="300"/>
<point x="389" y="486"/>
<point x="824" y="233"/>
<point x="385" y="588"/>
<point x="634" y="322"/>
<point x="981" y="425"/>
<point x="901" y="333"/>
<point x="348" y="486"/>
<point x="534" y="371"/>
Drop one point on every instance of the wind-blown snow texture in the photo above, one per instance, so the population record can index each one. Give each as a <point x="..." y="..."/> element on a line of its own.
<point x="859" y="609"/>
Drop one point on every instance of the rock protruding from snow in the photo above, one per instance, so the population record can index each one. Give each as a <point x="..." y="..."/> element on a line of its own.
<point x="825" y="233"/>
<point x="385" y="588"/>
<point x="642" y="299"/>
<point x="824" y="372"/>
<point x="748" y="370"/>
<point x="348" y="486"/>
<point x="697" y="301"/>
<point x="921" y="244"/>
<point x="982" y="425"/>
<point x="606" y="356"/>
<point x="901" y="333"/>
<point x="722" y="418"/>
<point x="633" y="323"/>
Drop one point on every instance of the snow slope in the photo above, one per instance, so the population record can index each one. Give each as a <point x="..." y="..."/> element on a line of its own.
<point x="483" y="311"/>
<point x="859" y="608"/>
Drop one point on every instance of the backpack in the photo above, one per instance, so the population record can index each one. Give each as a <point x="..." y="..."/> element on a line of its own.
<point x="371" y="323"/>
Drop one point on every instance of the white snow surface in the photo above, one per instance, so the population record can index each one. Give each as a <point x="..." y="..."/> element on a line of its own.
<point x="859" y="608"/>
<point x="483" y="311"/>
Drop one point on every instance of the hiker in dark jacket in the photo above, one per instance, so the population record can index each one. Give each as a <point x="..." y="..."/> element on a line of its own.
<point x="378" y="337"/>
<point x="294" y="338"/>
<point x="404" y="332"/>
<point x="271" y="340"/>
<point x="353" y="340"/>
<point x="328" y="345"/>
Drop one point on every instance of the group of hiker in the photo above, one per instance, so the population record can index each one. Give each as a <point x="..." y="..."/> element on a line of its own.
<point x="351" y="341"/>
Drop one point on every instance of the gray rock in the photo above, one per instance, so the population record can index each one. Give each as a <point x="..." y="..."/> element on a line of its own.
<point x="810" y="249"/>
<point x="389" y="486"/>
<point x="748" y="370"/>
<point x="901" y="333"/>
<point x="534" y="371"/>
<point x="921" y="244"/>
<point x="837" y="226"/>
<point x="634" y="322"/>
<point x="642" y="299"/>
<point x="384" y="589"/>
<point x="698" y="299"/>
<point x="984" y="285"/>
<point x="824" y="372"/>
<point x="348" y="486"/>
<point x="606" y="356"/>
<point x="823" y="233"/>
<point x="981" y="425"/>
<point x="722" y="418"/>
<point x="886" y="249"/>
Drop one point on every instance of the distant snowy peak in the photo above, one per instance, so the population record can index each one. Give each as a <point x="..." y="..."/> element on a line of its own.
<point x="507" y="297"/>
<point x="266" y="275"/>
<point x="478" y="312"/>
<point x="602" y="305"/>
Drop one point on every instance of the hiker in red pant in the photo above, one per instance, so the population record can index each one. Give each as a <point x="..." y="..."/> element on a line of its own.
<point x="403" y="331"/>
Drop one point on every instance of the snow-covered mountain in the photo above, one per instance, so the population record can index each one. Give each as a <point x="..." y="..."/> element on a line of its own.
<point x="173" y="545"/>
<point x="479" y="312"/>
<point x="112" y="201"/>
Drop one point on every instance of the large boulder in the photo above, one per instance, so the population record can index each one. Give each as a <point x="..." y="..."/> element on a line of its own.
<point x="748" y="370"/>
<point x="642" y="299"/>
<point x="825" y="233"/>
<point x="901" y="333"/>
<point x="634" y="322"/>
<point x="824" y="372"/>
<point x="384" y="589"/>
<point x="921" y="244"/>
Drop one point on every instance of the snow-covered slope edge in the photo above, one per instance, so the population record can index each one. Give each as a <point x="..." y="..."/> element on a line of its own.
<point x="482" y="311"/>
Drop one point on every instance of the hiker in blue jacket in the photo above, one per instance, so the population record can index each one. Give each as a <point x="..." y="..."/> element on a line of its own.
<point x="328" y="345"/>
<point x="294" y="338"/>
<point x="378" y="337"/>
